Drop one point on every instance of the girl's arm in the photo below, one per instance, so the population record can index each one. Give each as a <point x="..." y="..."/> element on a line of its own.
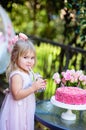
<point x="17" y="87"/>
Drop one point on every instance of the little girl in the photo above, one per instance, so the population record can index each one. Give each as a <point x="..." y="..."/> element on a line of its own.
<point x="18" y="108"/>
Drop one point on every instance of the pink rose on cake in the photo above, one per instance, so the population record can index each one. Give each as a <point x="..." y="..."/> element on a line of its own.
<point x="70" y="78"/>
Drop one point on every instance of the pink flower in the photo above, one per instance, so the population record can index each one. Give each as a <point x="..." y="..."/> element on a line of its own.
<point x="11" y="43"/>
<point x="70" y="78"/>
<point x="66" y="75"/>
<point x="82" y="79"/>
<point x="9" y="49"/>
<point x="15" y="39"/>
<point x="56" y="78"/>
<point x="23" y="36"/>
<point x="63" y="81"/>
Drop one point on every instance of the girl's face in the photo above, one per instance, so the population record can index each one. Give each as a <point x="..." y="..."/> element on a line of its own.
<point x="26" y="61"/>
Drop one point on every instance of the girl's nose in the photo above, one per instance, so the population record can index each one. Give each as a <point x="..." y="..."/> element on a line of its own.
<point x="29" y="60"/>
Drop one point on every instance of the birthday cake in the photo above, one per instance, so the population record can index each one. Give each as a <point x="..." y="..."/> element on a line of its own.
<point x="71" y="95"/>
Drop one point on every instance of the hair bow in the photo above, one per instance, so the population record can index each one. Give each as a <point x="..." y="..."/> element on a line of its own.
<point x="21" y="36"/>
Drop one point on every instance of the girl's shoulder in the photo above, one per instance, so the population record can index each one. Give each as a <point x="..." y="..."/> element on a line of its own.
<point x="16" y="72"/>
<point x="22" y="74"/>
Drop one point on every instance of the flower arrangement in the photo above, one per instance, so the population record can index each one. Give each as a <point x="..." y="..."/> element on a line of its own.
<point x="70" y="78"/>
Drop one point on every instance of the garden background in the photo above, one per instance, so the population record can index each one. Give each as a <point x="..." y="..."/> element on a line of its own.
<point x="58" y="30"/>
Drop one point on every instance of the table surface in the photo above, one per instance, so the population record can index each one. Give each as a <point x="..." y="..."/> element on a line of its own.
<point x="50" y="116"/>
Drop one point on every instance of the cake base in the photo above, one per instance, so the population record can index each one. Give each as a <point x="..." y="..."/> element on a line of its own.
<point x="67" y="115"/>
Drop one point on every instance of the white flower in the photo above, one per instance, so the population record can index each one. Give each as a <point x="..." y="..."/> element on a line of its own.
<point x="56" y="77"/>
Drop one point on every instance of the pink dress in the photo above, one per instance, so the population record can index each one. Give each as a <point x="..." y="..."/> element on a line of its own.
<point x="18" y="114"/>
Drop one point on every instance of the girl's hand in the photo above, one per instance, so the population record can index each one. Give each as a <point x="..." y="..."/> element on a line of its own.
<point x="39" y="84"/>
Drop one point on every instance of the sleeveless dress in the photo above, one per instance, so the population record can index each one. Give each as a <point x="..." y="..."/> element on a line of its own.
<point x="18" y="114"/>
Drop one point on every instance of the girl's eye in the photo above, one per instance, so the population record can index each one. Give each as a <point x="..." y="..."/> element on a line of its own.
<point x="25" y="57"/>
<point x="32" y="57"/>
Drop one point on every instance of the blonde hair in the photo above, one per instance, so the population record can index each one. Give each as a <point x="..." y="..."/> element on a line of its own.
<point x="20" y="48"/>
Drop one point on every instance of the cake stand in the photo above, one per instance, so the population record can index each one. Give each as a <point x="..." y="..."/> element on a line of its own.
<point x="69" y="115"/>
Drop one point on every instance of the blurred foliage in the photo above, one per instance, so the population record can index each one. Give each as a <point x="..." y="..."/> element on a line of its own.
<point x="80" y="16"/>
<point x="48" y="62"/>
<point x="61" y="21"/>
